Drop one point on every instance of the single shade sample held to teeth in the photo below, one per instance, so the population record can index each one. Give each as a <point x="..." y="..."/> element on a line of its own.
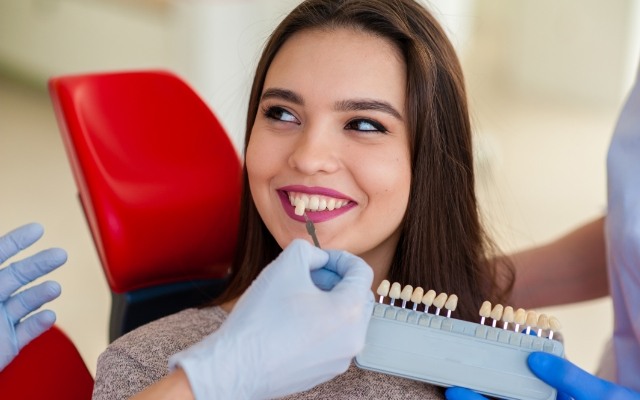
<point x="299" y="207"/>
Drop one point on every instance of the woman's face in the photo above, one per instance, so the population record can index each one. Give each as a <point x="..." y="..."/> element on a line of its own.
<point x="331" y="130"/>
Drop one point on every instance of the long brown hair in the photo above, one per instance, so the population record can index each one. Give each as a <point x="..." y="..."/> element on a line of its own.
<point x="442" y="244"/>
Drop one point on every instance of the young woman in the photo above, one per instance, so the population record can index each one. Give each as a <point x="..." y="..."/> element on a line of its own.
<point x="358" y="109"/>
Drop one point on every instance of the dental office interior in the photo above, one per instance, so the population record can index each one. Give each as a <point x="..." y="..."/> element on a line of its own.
<point x="546" y="80"/>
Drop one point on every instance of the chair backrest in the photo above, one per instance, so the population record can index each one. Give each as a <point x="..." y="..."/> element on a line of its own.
<point x="49" y="367"/>
<point x="158" y="177"/>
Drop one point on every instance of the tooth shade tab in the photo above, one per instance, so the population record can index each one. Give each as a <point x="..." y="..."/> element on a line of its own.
<point x="416" y="296"/>
<point x="520" y="317"/>
<point x="485" y="309"/>
<point x="543" y="323"/>
<point x="508" y="315"/>
<point x="383" y="289"/>
<point x="299" y="204"/>
<point x="532" y="318"/>
<point x="394" y="293"/>
<point x="428" y="298"/>
<point x="496" y="313"/>
<point x="407" y="291"/>
<point x="554" y="324"/>
<point x="451" y="303"/>
<point x="439" y="301"/>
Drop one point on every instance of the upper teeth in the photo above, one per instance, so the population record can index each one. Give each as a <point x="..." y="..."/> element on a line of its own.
<point x="314" y="202"/>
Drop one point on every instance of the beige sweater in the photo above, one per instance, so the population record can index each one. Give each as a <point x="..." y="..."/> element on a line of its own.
<point x="140" y="358"/>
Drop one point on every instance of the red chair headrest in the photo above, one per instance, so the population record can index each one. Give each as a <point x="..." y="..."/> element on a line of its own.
<point x="157" y="176"/>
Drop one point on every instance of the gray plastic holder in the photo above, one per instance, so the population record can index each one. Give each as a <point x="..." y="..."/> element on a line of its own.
<point x="450" y="352"/>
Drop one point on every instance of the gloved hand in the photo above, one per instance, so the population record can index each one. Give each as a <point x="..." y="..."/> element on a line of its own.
<point x="285" y="335"/>
<point x="16" y="332"/>
<point x="568" y="379"/>
<point x="574" y="382"/>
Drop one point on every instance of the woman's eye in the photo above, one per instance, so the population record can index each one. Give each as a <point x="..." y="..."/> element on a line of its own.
<point x="365" y="125"/>
<point x="280" y="114"/>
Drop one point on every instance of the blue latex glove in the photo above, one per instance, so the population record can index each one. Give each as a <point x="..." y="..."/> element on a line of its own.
<point x="568" y="379"/>
<point x="16" y="330"/>
<point x="575" y="382"/>
<point x="285" y="334"/>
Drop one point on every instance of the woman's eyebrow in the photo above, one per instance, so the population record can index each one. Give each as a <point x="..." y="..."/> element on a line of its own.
<point x="365" y="105"/>
<point x="282" y="94"/>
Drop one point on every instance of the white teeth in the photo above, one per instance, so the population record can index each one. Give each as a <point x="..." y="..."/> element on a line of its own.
<point x="331" y="204"/>
<point x="322" y="205"/>
<point x="314" y="202"/>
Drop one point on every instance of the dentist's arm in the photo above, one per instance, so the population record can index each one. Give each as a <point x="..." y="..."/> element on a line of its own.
<point x="285" y="334"/>
<point x="568" y="269"/>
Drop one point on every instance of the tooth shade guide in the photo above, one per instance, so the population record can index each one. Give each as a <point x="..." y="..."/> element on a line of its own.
<point x="383" y="290"/>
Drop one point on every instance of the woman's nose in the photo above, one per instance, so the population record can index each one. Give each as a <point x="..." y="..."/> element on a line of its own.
<point x="315" y="152"/>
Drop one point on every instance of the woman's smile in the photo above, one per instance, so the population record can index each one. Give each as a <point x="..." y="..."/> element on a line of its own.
<point x="321" y="204"/>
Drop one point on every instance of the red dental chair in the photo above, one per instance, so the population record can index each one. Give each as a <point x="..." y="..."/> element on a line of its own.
<point x="159" y="183"/>
<point x="49" y="368"/>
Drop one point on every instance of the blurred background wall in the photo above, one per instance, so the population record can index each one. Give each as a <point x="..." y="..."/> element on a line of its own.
<point x="546" y="80"/>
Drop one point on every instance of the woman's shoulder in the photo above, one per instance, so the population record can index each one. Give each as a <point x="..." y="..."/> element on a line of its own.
<point x="174" y="332"/>
<point x="140" y="358"/>
<point x="357" y="383"/>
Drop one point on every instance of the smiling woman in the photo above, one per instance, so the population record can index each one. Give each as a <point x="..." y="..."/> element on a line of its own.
<point x="328" y="128"/>
<point x="358" y="111"/>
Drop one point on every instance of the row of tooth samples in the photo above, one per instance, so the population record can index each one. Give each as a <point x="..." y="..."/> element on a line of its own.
<point x="519" y="318"/>
<point x="417" y="296"/>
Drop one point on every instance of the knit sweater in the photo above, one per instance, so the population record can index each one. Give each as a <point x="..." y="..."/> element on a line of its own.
<point x="140" y="358"/>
